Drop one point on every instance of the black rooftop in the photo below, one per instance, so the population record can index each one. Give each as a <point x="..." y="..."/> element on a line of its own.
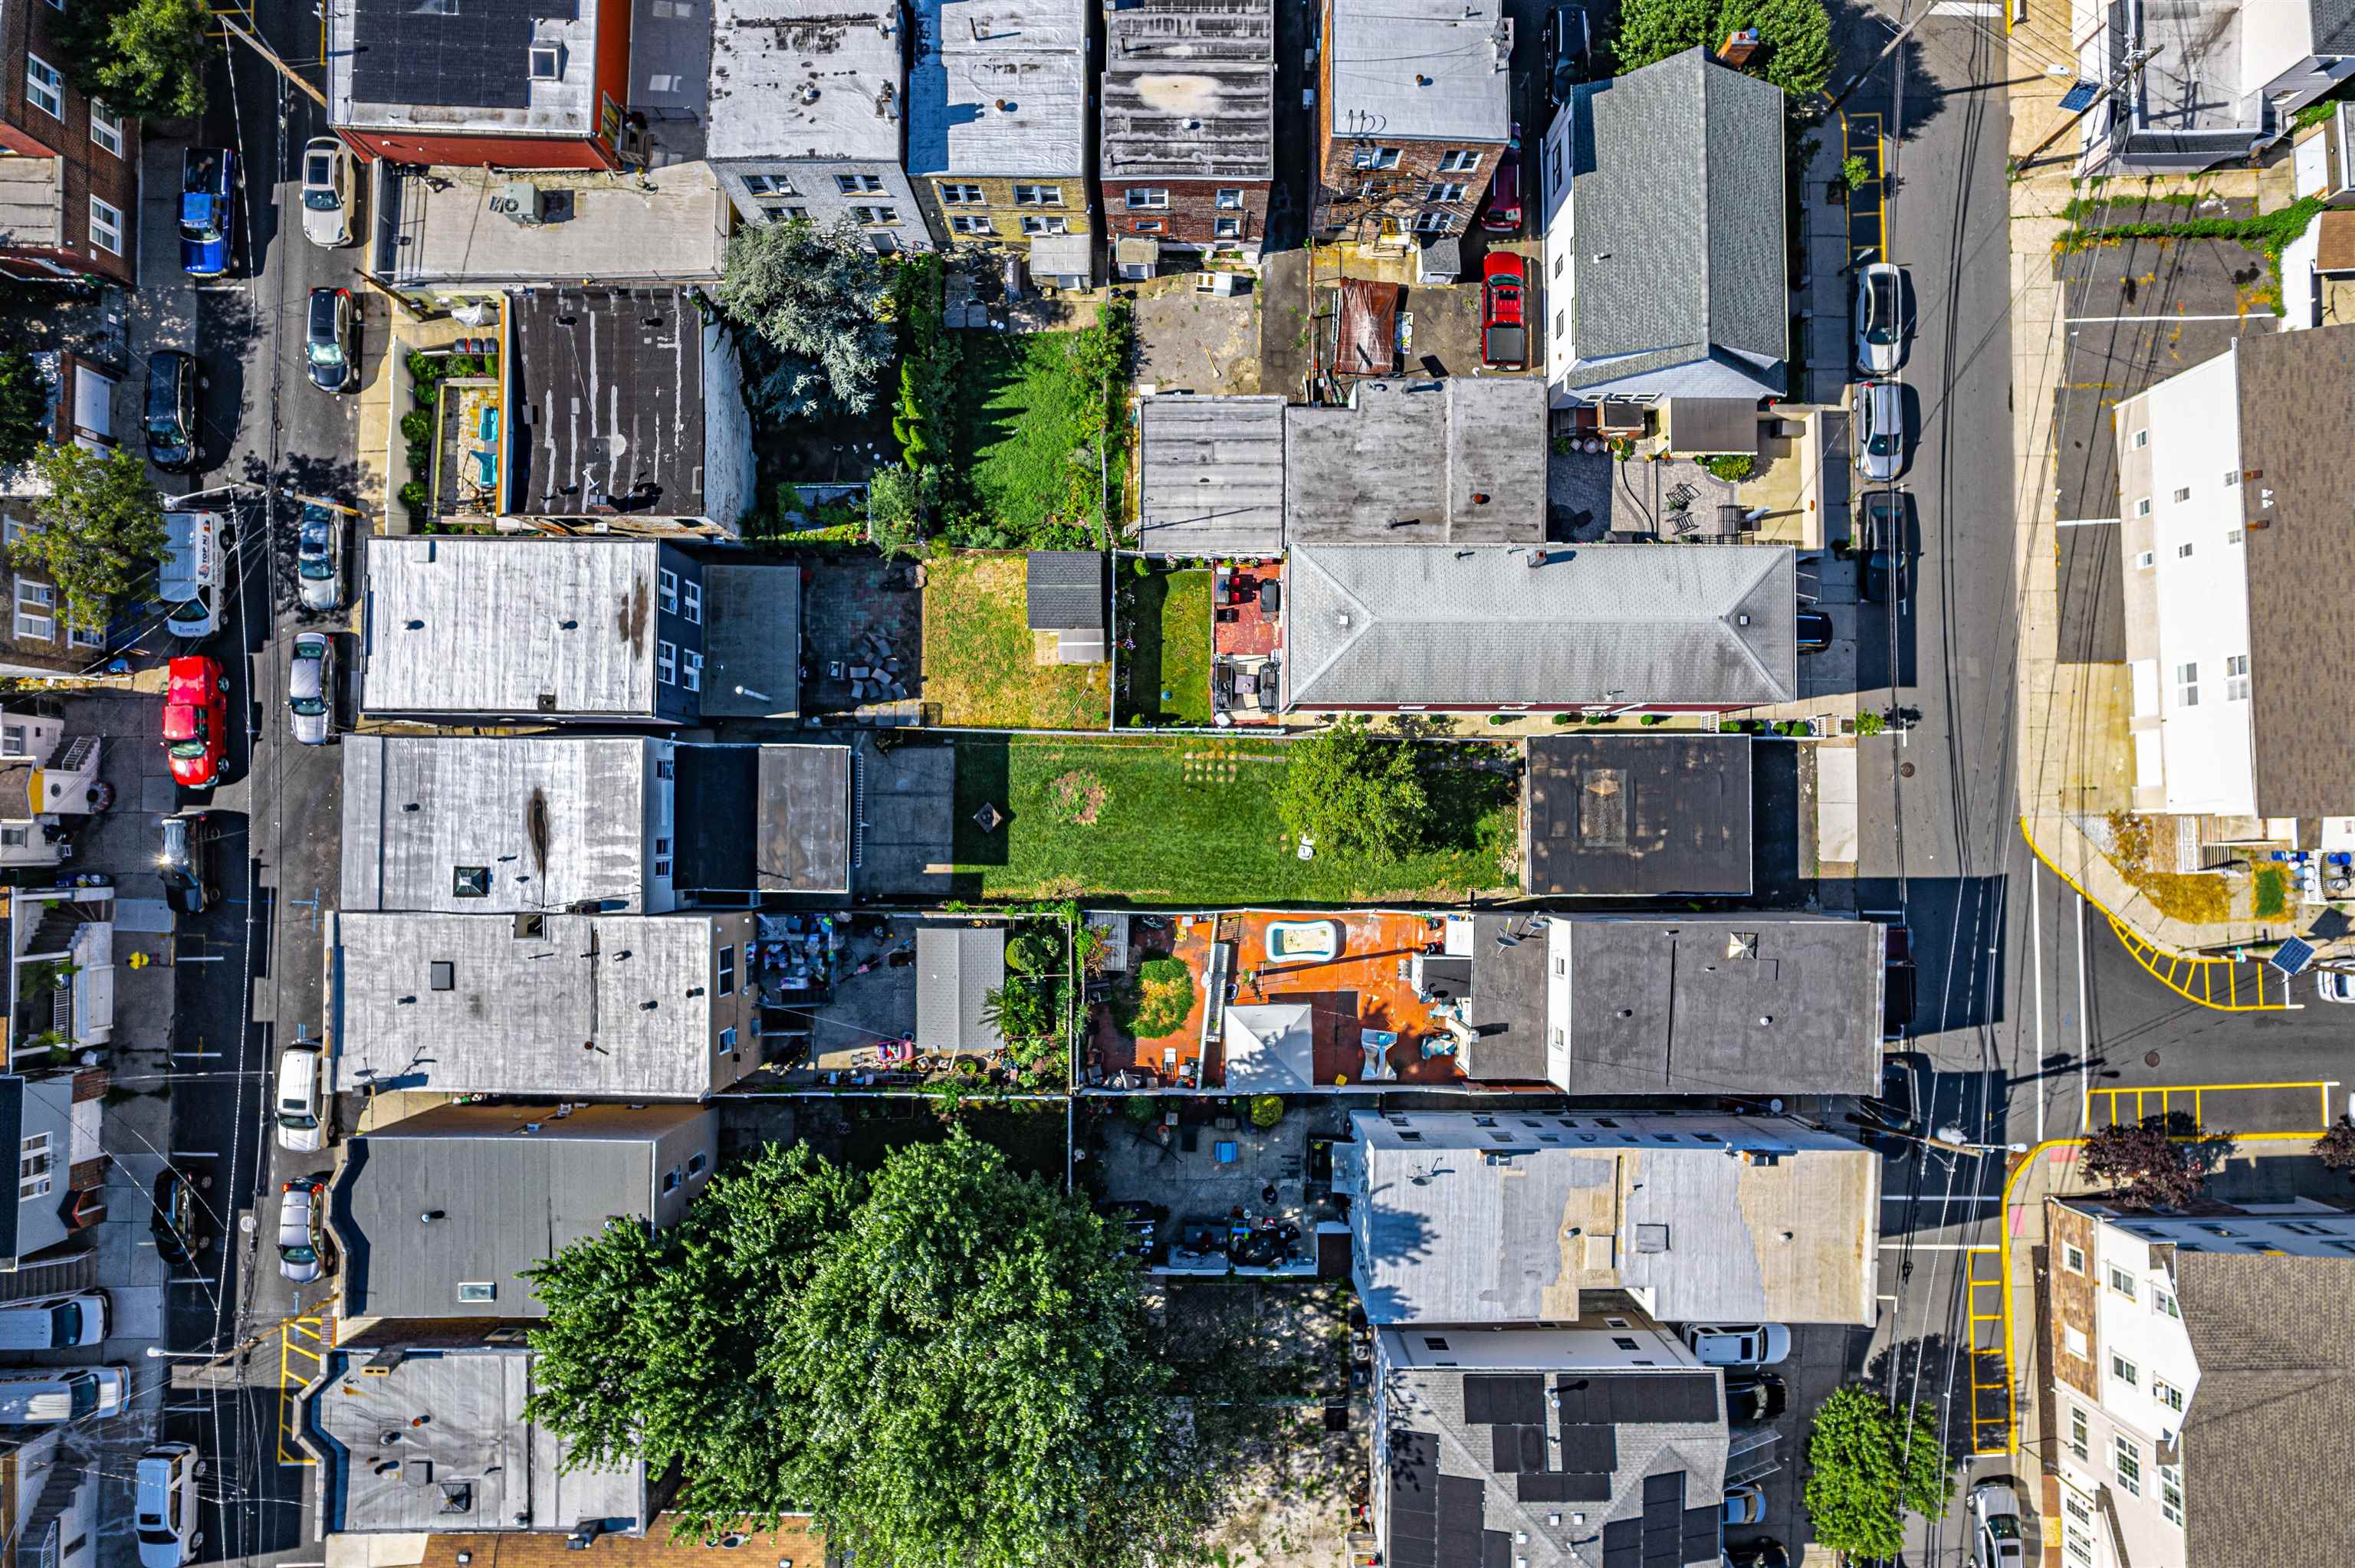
<point x="1066" y="590"/>
<point x="446" y="54"/>
<point x="607" y="393"/>
<point x="1651" y="815"/>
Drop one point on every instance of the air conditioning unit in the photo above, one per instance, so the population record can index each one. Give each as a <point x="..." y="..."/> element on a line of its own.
<point x="548" y="62"/>
<point x="521" y="201"/>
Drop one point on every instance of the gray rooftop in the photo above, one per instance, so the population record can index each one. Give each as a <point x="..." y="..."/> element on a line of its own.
<point x="605" y="392"/>
<point x="1459" y="462"/>
<point x="556" y="820"/>
<point x="1506" y="1008"/>
<point x="762" y="819"/>
<point x="752" y="639"/>
<point x="490" y="626"/>
<point x="956" y="969"/>
<point x="1420" y="71"/>
<point x="1001" y="88"/>
<point x="1742" y="1004"/>
<point x="474" y="1447"/>
<point x="668" y="226"/>
<point x="1063" y="590"/>
<point x="1210" y="476"/>
<point x="601" y="1006"/>
<point x="509" y="1187"/>
<point x="1189" y="90"/>
<point x="806" y="79"/>
<point x="1463" y="1218"/>
<point x="1644" y="815"/>
<point x="1676" y="200"/>
<point x="1377" y="624"/>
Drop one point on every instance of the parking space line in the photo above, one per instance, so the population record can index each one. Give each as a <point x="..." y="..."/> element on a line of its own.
<point x="305" y="1338"/>
<point x="1988" y="1325"/>
<point x="2165" y="1099"/>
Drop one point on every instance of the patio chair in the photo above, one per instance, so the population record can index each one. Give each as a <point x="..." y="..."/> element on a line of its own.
<point x="487" y="427"/>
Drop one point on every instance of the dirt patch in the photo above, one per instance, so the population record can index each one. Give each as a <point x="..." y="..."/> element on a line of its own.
<point x="1079" y="799"/>
<point x="2203" y="897"/>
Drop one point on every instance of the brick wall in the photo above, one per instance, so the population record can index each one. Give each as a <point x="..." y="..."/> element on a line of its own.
<point x="1405" y="187"/>
<point x="1000" y="207"/>
<point x="87" y="169"/>
<point x="467" y="152"/>
<point x="2073" y="1295"/>
<point x="1192" y="213"/>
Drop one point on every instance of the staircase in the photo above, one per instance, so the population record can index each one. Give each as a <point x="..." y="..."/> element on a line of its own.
<point x="78" y="754"/>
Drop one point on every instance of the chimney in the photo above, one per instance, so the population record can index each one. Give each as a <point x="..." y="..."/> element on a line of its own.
<point x="1739" y="46"/>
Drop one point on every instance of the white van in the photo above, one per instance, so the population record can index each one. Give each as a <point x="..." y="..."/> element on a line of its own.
<point x="299" y="1095"/>
<point x="31" y="1396"/>
<point x="53" y="1323"/>
<point x="188" y="578"/>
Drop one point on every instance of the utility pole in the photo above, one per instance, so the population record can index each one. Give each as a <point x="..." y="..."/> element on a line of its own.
<point x="1886" y="50"/>
<point x="2118" y="78"/>
<point x="266" y="52"/>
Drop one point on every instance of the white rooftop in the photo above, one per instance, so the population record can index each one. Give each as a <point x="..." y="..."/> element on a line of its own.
<point x="1001" y="88"/>
<point x="599" y="228"/>
<point x="1420" y="71"/>
<point x="805" y="79"/>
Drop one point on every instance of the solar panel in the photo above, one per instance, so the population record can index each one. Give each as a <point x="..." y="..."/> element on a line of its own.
<point x="1496" y="1548"/>
<point x="1684" y="1398"/>
<point x="1703" y="1533"/>
<point x="1517" y="1448"/>
<point x="1558" y="1486"/>
<point x="1664" y="1515"/>
<point x="2293" y="956"/>
<point x="467" y="55"/>
<point x="1516" y="1399"/>
<point x="1590" y="1448"/>
<point x="1623" y="1544"/>
<point x="2080" y="96"/>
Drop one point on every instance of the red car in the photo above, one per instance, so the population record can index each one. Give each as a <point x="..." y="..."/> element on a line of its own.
<point x="1504" y="330"/>
<point x="1503" y="215"/>
<point x="195" y="721"/>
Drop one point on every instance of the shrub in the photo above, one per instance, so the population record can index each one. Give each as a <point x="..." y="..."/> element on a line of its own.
<point x="1601" y="718"/>
<point x="1731" y="467"/>
<point x="1652" y="718"/>
<point x="1871" y="723"/>
<point x="2143" y="1163"/>
<point x="412" y="495"/>
<point x="1565" y="718"/>
<point x="1140" y="1109"/>
<point x="417" y="425"/>
<point x="1162" y="996"/>
<point x="1266" y="1110"/>
<point x="1502" y="718"/>
<point x="1140" y="567"/>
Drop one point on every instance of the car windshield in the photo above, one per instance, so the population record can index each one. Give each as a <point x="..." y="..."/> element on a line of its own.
<point x="189" y="748"/>
<point x="326" y="353"/>
<point x="165" y="425"/>
<point x="156" y="1537"/>
<point x="297" y="1121"/>
<point x="1882" y="445"/>
<point x="298" y="1254"/>
<point x="309" y="707"/>
<point x="321" y="201"/>
<point x="316" y="565"/>
<point x="2004" y="1527"/>
<point x="203" y="233"/>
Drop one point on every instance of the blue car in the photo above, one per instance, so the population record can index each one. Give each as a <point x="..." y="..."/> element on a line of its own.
<point x="207" y="210"/>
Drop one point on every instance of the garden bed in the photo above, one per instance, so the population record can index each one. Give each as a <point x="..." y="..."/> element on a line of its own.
<point x="1165" y="676"/>
<point x="979" y="664"/>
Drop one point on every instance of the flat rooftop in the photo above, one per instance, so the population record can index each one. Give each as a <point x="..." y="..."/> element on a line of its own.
<point x="1420" y="71"/>
<point x="1001" y="88"/>
<point x="670" y="228"/>
<point x="474" y="1461"/>
<point x="806" y="79"/>
<point x="1189" y="90"/>
<point x="1210" y="476"/>
<point x="1643" y="815"/>
<point x="395" y="65"/>
<point x="602" y="1006"/>
<point x="510" y="626"/>
<point x="605" y="389"/>
<point x="1456" y="461"/>
<point x="1461" y="1217"/>
<point x="751" y="640"/>
<point x="763" y="819"/>
<point x="554" y="820"/>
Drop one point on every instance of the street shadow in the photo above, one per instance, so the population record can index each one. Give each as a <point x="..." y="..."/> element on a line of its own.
<point x="1858" y="33"/>
<point x="1960" y="942"/>
<point x="1934" y="1369"/>
<point x="278" y="525"/>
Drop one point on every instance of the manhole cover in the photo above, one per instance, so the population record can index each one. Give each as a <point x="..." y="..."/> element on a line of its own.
<point x="2150" y="1058"/>
<point x="1905" y="771"/>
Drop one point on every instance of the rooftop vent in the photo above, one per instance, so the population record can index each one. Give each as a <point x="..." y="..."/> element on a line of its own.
<point x="548" y="62"/>
<point x="445" y="975"/>
<point x="808" y="93"/>
<point x="1741" y="945"/>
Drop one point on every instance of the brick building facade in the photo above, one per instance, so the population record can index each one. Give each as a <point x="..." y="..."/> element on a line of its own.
<point x="1415" y="109"/>
<point x="1187" y="140"/>
<point x="68" y="170"/>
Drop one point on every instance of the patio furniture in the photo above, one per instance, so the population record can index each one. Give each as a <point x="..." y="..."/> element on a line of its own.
<point x="1437" y="1045"/>
<point x="486" y="467"/>
<point x="1378" y="1069"/>
<point x="1225" y="1152"/>
<point x="487" y="427"/>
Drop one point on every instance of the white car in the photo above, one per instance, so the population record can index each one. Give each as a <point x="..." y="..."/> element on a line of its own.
<point x="330" y="186"/>
<point x="299" y="1215"/>
<point x="1739" y="1344"/>
<point x="1744" y="1505"/>
<point x="167" y="1504"/>
<point x="311" y="688"/>
<point x="319" y="558"/>
<point x="1880" y="430"/>
<point x="301" y="1099"/>
<point x="1881" y="320"/>
<point x="1995" y="1513"/>
<point x="2334" y="986"/>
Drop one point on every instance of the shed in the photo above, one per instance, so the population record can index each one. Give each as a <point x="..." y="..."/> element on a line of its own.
<point x="1065" y="261"/>
<point x="1065" y="594"/>
<point x="1708" y="427"/>
<point x="956" y="969"/>
<point x="1270" y="1049"/>
<point x="1440" y="260"/>
<point x="1365" y="330"/>
<point x="1136" y="260"/>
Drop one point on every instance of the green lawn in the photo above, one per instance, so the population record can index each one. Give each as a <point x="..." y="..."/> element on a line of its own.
<point x="1020" y="412"/>
<point x="979" y="666"/>
<point x="1189" y="819"/>
<point x="1169" y="618"/>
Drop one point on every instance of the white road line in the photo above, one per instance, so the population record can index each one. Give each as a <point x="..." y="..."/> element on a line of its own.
<point x="2101" y="320"/>
<point x="1966" y="8"/>
<point x="2086" y="523"/>
<point x="2036" y="946"/>
<point x="2085" y="1044"/>
<point x="1939" y="1246"/>
<point x="1948" y="1198"/>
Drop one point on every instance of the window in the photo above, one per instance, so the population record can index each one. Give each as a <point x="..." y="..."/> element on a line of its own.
<point x="2142" y="507"/>
<point x="1434" y="223"/>
<point x="726" y="972"/>
<point x="691" y="602"/>
<point x="1431" y="1342"/>
<point x="969" y="223"/>
<point x="2079" y="1433"/>
<point x="1561" y="319"/>
<point x="667" y="767"/>
<point x="2072" y="1257"/>
<point x="2163" y="1303"/>
<point x="1459" y="160"/>
<point x="728" y="1039"/>
<point x="2168" y="1394"/>
<point x="1375" y="158"/>
<point x="873" y="215"/>
<point x="105" y="127"/>
<point x="36" y="609"/>
<point x="1231" y="200"/>
<point x="2124" y="1370"/>
<point x="2183" y="494"/>
<point x="2141" y="439"/>
<point x="769" y="185"/>
<point x="12" y="740"/>
<point x="662" y="867"/>
<point x="45" y="87"/>
<point x="671" y="1179"/>
<point x="692" y="671"/>
<point x="662" y="846"/>
<point x="2170" y="1493"/>
<point x="2077" y="1532"/>
<point x="777" y="212"/>
<point x="2187" y="695"/>
<point x="698" y="1163"/>
<point x="670" y="592"/>
<point x="106" y="225"/>
<point x="960" y="195"/>
<point x="1033" y="224"/>
<point x="81" y="636"/>
<point x="470" y="881"/>
<point x="2123" y="1283"/>
<point x="2126" y="1459"/>
<point x="1447" y="191"/>
<point x="2231" y="536"/>
<point x="2237" y="678"/>
<point x="667" y="664"/>
<point x="2147" y="560"/>
<point x="1226" y="228"/>
<point x="1625" y="1343"/>
<point x="1148" y="226"/>
<point x="15" y="838"/>
<point x="33" y="1161"/>
<point x="851" y="185"/>
<point x="2183" y="551"/>
<point x="1146" y="199"/>
<point x="1037" y="195"/>
<point x="2075" y="1338"/>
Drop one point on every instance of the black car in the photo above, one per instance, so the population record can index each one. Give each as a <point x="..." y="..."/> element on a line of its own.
<point x="174" y="421"/>
<point x="1567" y="49"/>
<point x="1766" y="1552"/>
<point x="179" y="1221"/>
<point x="1755" y="1398"/>
<point x="184" y="862"/>
<point x="1814" y="628"/>
<point x="330" y="340"/>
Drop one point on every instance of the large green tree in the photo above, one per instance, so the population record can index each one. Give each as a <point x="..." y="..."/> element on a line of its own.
<point x="1868" y="1464"/>
<point x="23" y="407"/>
<point x="1355" y="793"/>
<point x="948" y="1364"/>
<point x="142" y="56"/>
<point x="98" y="531"/>
<point x="817" y="304"/>
<point x="1795" y="36"/>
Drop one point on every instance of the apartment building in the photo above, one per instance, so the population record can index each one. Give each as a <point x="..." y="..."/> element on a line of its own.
<point x="1188" y="140"/>
<point x="69" y="166"/>
<point x="2199" y="85"/>
<point x="1415" y="102"/>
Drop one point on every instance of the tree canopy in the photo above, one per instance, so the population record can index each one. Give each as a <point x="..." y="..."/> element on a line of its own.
<point x="945" y="1364"/>
<point x="1794" y="36"/>
<point x="23" y="407"/>
<point x="141" y="57"/>
<point x="2146" y="1163"/>
<point x="1868" y="1464"/>
<point x="1355" y="793"/>
<point x="817" y="304"/>
<point x="98" y="531"/>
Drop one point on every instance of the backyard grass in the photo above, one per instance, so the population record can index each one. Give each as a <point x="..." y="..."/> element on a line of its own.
<point x="1168" y="670"/>
<point x="1021" y="416"/>
<point x="1191" y="820"/>
<point x="978" y="668"/>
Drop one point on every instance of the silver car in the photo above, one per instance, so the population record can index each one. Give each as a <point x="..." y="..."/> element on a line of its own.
<point x="1995" y="1514"/>
<point x="311" y="688"/>
<point x="1880" y="320"/>
<point x="330" y="183"/>
<point x="1879" y="432"/>
<point x="319" y="558"/>
<point x="299" y="1219"/>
